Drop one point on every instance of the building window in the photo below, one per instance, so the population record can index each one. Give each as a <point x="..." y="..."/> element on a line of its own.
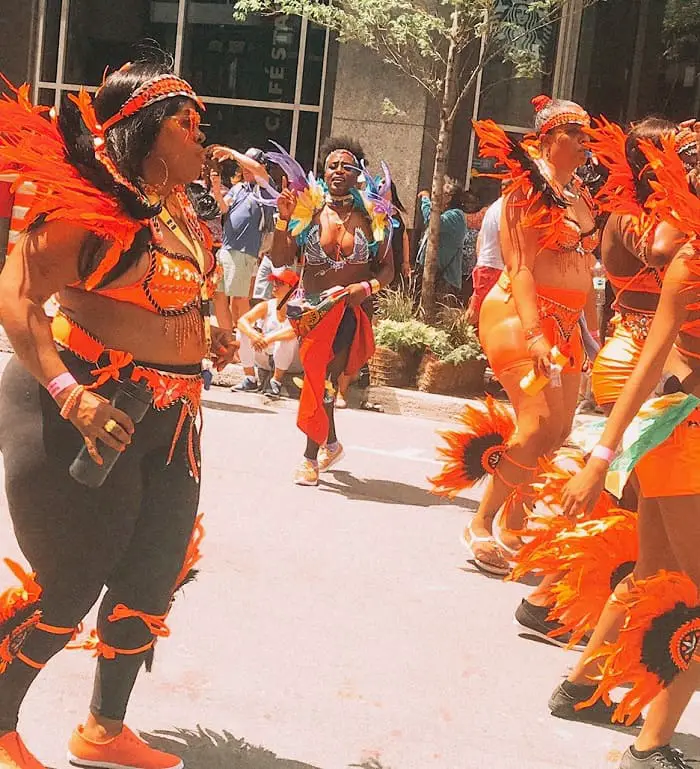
<point x="262" y="79"/>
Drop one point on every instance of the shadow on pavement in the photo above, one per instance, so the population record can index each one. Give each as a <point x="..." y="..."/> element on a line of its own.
<point x="220" y="406"/>
<point x="391" y="492"/>
<point x="202" y="748"/>
<point x="689" y="744"/>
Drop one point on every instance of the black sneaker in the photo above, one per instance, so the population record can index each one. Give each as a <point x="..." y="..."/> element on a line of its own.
<point x="562" y="704"/>
<point x="273" y="389"/>
<point x="534" y="620"/>
<point x="665" y="757"/>
<point x="246" y="385"/>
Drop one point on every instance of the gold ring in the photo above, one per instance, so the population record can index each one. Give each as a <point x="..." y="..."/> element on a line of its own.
<point x="110" y="424"/>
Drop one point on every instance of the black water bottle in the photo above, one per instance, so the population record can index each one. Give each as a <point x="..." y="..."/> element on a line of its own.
<point x="133" y="398"/>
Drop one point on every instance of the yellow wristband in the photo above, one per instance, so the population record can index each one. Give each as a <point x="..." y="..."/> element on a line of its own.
<point x="376" y="286"/>
<point x="281" y="225"/>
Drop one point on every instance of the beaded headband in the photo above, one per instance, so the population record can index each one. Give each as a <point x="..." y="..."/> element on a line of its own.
<point x="347" y="152"/>
<point x="685" y="140"/>
<point x="157" y="89"/>
<point x="567" y="116"/>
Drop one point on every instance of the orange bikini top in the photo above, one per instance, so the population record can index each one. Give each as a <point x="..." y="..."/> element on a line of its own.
<point x="569" y="237"/>
<point x="175" y="282"/>
<point x="172" y="284"/>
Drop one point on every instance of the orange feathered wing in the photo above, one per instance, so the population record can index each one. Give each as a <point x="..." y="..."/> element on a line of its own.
<point x="659" y="639"/>
<point x="32" y="147"/>
<point x="672" y="198"/>
<point x="474" y="450"/>
<point x="618" y="195"/>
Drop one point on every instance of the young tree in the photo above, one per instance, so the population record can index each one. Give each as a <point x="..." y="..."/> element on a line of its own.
<point x="442" y="46"/>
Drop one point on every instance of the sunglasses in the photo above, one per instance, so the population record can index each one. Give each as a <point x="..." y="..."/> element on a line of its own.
<point x="190" y="122"/>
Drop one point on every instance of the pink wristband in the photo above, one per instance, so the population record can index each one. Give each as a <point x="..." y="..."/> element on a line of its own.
<point x="604" y="453"/>
<point x="60" y="383"/>
<point x="367" y="287"/>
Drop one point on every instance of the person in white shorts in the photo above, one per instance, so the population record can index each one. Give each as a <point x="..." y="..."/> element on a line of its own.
<point x="264" y="333"/>
<point x="246" y="221"/>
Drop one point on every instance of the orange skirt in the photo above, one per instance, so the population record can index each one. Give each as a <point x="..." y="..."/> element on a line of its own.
<point x="501" y="330"/>
<point x="671" y="469"/>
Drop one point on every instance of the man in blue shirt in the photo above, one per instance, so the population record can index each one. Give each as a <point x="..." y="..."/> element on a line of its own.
<point x="246" y="221"/>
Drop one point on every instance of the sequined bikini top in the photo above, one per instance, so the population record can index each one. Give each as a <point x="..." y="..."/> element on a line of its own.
<point x="571" y="238"/>
<point x="172" y="284"/>
<point x="316" y="256"/>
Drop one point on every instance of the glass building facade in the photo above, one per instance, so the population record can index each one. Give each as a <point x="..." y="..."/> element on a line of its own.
<point x="262" y="79"/>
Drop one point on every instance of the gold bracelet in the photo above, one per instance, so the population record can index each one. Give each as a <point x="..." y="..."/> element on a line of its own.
<point x="375" y="285"/>
<point x="72" y="401"/>
<point x="282" y="225"/>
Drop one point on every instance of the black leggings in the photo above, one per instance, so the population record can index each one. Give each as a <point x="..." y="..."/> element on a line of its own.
<point x="130" y="535"/>
<point x="341" y="349"/>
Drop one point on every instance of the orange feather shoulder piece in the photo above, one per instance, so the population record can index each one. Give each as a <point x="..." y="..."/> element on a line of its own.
<point x="31" y="147"/>
<point x="544" y="209"/>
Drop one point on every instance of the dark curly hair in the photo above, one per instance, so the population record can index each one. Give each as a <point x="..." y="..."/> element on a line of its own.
<point x="335" y="143"/>
<point x="652" y="129"/>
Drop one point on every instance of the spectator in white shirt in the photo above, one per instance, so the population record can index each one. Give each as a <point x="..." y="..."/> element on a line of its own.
<point x="489" y="260"/>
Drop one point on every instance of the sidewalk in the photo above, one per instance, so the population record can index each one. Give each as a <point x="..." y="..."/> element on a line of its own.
<point x="390" y="400"/>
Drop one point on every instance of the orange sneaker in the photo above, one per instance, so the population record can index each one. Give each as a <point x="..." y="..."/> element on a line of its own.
<point x="307" y="473"/>
<point x="14" y="753"/>
<point x="329" y="456"/>
<point x="125" y="751"/>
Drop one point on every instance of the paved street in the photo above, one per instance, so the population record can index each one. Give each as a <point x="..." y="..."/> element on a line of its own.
<point x="336" y="626"/>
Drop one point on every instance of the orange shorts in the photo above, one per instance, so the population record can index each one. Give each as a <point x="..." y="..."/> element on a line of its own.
<point x="501" y="330"/>
<point x="671" y="469"/>
<point x="614" y="364"/>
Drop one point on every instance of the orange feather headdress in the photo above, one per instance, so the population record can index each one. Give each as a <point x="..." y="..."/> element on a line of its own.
<point x="618" y="195"/>
<point x="671" y="199"/>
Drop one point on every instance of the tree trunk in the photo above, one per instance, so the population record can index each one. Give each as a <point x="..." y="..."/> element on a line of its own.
<point x="442" y="151"/>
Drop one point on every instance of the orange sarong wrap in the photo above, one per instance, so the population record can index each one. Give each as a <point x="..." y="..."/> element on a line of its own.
<point x="316" y="353"/>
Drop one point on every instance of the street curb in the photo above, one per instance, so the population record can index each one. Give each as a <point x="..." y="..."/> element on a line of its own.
<point x="388" y="400"/>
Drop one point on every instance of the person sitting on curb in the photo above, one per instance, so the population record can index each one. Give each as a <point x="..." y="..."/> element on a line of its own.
<point x="275" y="340"/>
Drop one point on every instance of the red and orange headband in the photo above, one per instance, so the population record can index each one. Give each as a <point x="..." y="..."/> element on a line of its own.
<point x="569" y="114"/>
<point x="157" y="89"/>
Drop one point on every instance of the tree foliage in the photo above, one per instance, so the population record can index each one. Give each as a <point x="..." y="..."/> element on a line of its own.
<point x="415" y="36"/>
<point x="681" y="28"/>
<point x="442" y="46"/>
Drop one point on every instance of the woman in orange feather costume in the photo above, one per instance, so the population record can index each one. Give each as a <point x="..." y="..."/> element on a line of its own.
<point x="656" y="650"/>
<point x="636" y="248"/>
<point x="548" y="234"/>
<point x="112" y="235"/>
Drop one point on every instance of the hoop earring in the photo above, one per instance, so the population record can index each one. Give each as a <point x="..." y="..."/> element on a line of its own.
<point x="167" y="173"/>
<point x="156" y="189"/>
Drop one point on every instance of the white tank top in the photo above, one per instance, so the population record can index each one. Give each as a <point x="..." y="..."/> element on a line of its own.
<point x="272" y="323"/>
